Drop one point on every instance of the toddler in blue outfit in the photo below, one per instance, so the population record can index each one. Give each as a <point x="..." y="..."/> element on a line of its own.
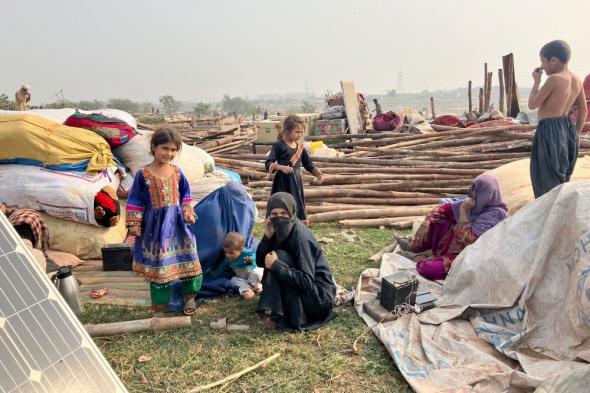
<point x="240" y="265"/>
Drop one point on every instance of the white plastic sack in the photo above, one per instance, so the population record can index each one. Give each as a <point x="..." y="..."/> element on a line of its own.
<point x="66" y="195"/>
<point x="207" y="184"/>
<point x="56" y="115"/>
<point x="135" y="154"/>
<point x="84" y="241"/>
<point x="193" y="152"/>
<point x="60" y="115"/>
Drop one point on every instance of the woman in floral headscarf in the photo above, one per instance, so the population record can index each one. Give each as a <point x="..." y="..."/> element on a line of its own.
<point x="451" y="227"/>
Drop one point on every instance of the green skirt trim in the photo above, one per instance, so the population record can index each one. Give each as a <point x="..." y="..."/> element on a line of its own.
<point x="160" y="293"/>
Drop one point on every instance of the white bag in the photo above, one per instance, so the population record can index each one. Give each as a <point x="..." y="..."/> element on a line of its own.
<point x="66" y="195"/>
<point x="60" y="115"/>
<point x="84" y="241"/>
<point x="135" y="154"/>
<point x="193" y="152"/>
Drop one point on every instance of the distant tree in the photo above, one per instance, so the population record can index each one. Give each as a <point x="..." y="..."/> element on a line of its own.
<point x="307" y="107"/>
<point x="169" y="103"/>
<point x="146" y="107"/>
<point x="291" y="110"/>
<point x="236" y="104"/>
<point x="61" y="104"/>
<point x="90" y="105"/>
<point x="202" y="109"/>
<point x="123" y="104"/>
<point x="5" y="103"/>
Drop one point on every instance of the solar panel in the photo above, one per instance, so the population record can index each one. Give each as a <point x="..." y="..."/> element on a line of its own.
<point x="43" y="346"/>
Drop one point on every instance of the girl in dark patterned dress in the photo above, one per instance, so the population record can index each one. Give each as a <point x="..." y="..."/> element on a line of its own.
<point x="158" y="211"/>
<point x="285" y="160"/>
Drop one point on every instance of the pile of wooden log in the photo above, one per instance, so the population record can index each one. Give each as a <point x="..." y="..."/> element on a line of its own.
<point x="220" y="139"/>
<point x="388" y="179"/>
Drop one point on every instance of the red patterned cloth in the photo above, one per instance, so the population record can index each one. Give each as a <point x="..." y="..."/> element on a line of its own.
<point x="33" y="219"/>
<point x="448" y="120"/>
<point x="387" y="121"/>
<point x="116" y="132"/>
<point x="492" y="123"/>
<point x="446" y="237"/>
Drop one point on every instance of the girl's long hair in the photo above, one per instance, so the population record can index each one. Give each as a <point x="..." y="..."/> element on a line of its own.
<point x="289" y="124"/>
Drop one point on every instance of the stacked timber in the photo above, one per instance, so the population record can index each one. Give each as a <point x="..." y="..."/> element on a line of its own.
<point x="220" y="139"/>
<point x="389" y="179"/>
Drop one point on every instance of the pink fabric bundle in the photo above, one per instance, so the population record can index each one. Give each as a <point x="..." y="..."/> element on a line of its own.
<point x="448" y="120"/>
<point x="388" y="121"/>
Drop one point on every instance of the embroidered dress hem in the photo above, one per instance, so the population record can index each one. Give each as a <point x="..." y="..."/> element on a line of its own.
<point x="166" y="274"/>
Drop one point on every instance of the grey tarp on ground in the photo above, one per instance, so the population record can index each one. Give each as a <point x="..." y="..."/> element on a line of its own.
<point x="515" y="308"/>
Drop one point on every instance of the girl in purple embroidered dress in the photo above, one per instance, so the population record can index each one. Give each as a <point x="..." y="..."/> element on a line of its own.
<point x="451" y="227"/>
<point x="158" y="211"/>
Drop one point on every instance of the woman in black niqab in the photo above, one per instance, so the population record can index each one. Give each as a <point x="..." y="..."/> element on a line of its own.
<point x="298" y="287"/>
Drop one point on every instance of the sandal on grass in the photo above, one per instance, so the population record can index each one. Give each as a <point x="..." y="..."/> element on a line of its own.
<point x="190" y="307"/>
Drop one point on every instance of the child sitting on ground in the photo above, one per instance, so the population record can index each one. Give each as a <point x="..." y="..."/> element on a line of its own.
<point x="240" y="265"/>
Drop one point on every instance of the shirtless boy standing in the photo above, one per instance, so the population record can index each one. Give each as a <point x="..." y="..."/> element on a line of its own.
<point x="555" y="147"/>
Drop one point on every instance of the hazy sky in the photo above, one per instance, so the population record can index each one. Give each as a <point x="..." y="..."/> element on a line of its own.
<point x="201" y="49"/>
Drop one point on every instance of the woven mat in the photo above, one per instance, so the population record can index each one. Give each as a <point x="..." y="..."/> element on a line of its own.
<point x="125" y="288"/>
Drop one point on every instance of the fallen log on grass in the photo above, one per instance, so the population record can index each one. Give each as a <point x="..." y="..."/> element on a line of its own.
<point x="415" y="171"/>
<point x="397" y="223"/>
<point x="385" y="250"/>
<point x="383" y="201"/>
<point x="357" y="178"/>
<point x="371" y="213"/>
<point x="411" y="185"/>
<point x="141" y="325"/>
<point x="314" y="209"/>
<point x="240" y="163"/>
<point x="329" y="192"/>
<point x="235" y="376"/>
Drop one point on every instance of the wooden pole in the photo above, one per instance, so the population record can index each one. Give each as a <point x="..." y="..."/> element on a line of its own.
<point x="512" y="96"/>
<point x="507" y="84"/>
<point x="488" y="97"/>
<point x="384" y="201"/>
<point x="469" y="96"/>
<point x="501" y="83"/>
<point x="385" y="250"/>
<point x="325" y="192"/>
<point x="432" y="108"/>
<point x="485" y="77"/>
<point x="335" y="208"/>
<point x="481" y="100"/>
<point x="397" y="222"/>
<point x="155" y="324"/>
<point x="235" y="375"/>
<point x="371" y="213"/>
<point x="485" y="86"/>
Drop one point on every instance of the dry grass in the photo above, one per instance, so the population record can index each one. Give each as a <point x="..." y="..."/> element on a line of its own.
<point x="319" y="361"/>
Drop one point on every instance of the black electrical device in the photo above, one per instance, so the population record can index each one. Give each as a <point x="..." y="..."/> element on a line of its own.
<point x="117" y="256"/>
<point x="397" y="289"/>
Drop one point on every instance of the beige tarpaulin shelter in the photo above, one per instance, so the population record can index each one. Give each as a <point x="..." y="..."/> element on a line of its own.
<point x="515" y="181"/>
<point x="514" y="312"/>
